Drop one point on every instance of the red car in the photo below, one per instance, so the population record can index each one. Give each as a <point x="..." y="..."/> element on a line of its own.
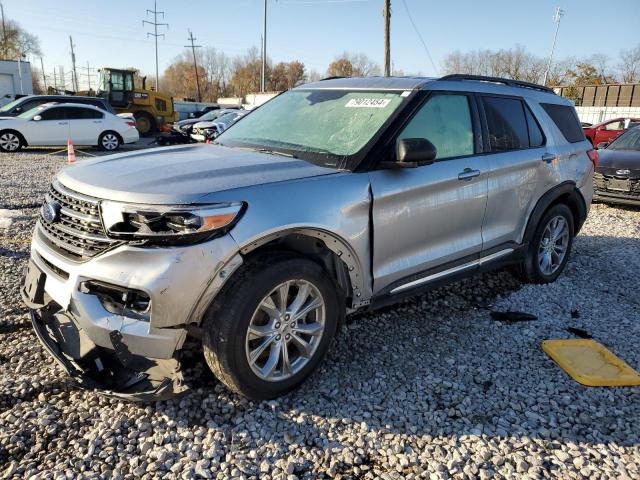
<point x="608" y="130"/>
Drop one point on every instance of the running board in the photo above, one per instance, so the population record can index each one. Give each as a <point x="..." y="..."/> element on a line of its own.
<point x="451" y="271"/>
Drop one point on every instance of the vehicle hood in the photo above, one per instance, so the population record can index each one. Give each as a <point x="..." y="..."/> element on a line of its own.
<point x="209" y="124"/>
<point x="182" y="174"/>
<point x="612" y="160"/>
<point x="188" y="121"/>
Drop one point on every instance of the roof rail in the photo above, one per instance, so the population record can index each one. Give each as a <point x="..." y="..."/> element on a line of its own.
<point x="505" y="81"/>
<point x="332" y="78"/>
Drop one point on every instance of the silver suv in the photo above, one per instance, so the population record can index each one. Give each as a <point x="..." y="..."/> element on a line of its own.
<point x="335" y="196"/>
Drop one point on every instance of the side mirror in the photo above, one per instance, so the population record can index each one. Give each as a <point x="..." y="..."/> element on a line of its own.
<point x="415" y="152"/>
<point x="603" y="145"/>
<point x="37" y="118"/>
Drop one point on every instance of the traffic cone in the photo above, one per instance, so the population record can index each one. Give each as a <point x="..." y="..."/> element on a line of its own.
<point x="71" y="154"/>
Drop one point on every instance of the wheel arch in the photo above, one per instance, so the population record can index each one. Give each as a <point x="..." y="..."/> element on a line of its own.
<point x="20" y="135"/>
<point x="566" y="193"/>
<point x="330" y="250"/>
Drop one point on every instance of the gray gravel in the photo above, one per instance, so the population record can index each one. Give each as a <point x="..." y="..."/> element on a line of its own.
<point x="432" y="388"/>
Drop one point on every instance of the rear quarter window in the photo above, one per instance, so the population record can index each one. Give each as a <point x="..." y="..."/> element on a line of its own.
<point x="566" y="120"/>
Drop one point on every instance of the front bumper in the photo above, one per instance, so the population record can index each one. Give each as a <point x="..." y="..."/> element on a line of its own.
<point x="198" y="137"/>
<point x="114" y="373"/>
<point x="620" y="198"/>
<point x="133" y="357"/>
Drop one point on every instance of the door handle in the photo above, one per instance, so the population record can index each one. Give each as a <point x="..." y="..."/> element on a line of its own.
<point x="468" y="174"/>
<point x="63" y="123"/>
<point x="97" y="121"/>
<point x="549" y="157"/>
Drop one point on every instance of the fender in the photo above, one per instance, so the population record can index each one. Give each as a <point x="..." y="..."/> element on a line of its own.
<point x="573" y="199"/>
<point x="334" y="243"/>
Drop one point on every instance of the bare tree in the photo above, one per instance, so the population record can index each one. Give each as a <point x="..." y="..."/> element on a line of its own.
<point x="629" y="65"/>
<point x="600" y="62"/>
<point x="17" y="42"/>
<point x="353" y="65"/>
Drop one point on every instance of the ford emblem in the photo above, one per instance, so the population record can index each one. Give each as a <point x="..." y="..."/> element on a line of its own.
<point x="50" y="211"/>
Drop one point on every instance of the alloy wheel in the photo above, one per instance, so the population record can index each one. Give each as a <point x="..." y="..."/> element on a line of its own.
<point x="285" y="330"/>
<point x="110" y="141"/>
<point x="553" y="245"/>
<point x="9" y="142"/>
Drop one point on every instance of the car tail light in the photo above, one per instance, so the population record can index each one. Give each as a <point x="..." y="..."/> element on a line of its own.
<point x="594" y="156"/>
<point x="131" y="124"/>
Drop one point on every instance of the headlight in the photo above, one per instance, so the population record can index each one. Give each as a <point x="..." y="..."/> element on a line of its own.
<point x="168" y="224"/>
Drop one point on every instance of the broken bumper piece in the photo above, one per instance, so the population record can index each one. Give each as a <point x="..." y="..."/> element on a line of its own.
<point x="113" y="372"/>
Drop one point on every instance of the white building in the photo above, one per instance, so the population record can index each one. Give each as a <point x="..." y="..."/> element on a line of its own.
<point x="15" y="79"/>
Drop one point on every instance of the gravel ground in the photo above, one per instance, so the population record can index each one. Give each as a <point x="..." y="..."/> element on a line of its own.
<point x="432" y="388"/>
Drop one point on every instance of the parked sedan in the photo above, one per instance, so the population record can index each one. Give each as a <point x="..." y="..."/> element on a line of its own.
<point x="608" y="130"/>
<point x="26" y="103"/>
<point x="203" y="131"/>
<point x="56" y="123"/>
<point x="617" y="178"/>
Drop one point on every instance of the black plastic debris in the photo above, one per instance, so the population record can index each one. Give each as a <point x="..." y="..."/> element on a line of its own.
<point x="513" y="316"/>
<point x="579" y="332"/>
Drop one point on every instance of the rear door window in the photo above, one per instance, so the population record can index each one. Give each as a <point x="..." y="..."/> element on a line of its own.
<point x="507" y="123"/>
<point x="566" y="119"/>
<point x="445" y="120"/>
<point x="54" y="114"/>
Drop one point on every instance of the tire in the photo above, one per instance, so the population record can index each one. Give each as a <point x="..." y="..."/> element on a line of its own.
<point x="145" y="123"/>
<point x="226" y="340"/>
<point x="10" y="141"/>
<point x="535" y="268"/>
<point x="109" y="141"/>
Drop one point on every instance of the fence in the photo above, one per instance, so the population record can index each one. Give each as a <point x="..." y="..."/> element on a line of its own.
<point x="611" y="95"/>
<point x="600" y="114"/>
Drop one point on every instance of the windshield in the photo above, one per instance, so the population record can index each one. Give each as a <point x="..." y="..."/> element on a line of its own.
<point x="322" y="126"/>
<point x="9" y="106"/>
<point x="629" y="140"/>
<point x="31" y="112"/>
<point x="211" y="115"/>
<point x="226" y="118"/>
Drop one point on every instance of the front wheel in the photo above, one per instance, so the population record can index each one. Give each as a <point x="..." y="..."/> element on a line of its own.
<point x="272" y="325"/>
<point x="109" y="141"/>
<point x="10" y="141"/>
<point x="550" y="247"/>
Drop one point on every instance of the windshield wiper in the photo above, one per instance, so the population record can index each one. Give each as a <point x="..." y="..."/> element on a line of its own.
<point x="274" y="152"/>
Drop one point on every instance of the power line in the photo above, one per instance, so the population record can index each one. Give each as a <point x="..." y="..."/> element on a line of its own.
<point x="155" y="34"/>
<point x="424" y="44"/>
<point x="195" y="63"/>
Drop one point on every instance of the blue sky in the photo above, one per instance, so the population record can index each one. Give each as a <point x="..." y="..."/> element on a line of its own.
<point x="110" y="32"/>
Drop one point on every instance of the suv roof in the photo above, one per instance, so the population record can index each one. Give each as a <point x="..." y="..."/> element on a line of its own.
<point x="478" y="83"/>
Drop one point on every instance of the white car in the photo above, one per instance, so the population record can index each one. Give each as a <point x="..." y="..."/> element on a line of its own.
<point x="56" y="123"/>
<point x="213" y="128"/>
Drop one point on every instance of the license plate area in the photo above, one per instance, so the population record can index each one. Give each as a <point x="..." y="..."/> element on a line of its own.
<point x="619" y="184"/>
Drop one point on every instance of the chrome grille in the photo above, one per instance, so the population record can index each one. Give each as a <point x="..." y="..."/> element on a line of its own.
<point x="77" y="233"/>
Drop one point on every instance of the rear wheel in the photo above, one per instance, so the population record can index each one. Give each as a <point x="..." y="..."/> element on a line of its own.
<point x="145" y="123"/>
<point x="109" y="141"/>
<point x="550" y="246"/>
<point x="271" y="326"/>
<point x="10" y="141"/>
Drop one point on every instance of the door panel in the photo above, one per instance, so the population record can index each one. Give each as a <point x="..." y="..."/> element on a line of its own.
<point x="53" y="129"/>
<point x="425" y="217"/>
<point x="86" y="125"/>
<point x="431" y="215"/>
<point x="519" y="171"/>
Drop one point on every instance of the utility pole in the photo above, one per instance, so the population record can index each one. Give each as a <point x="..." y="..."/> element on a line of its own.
<point x="4" y="33"/>
<point x="556" y="18"/>
<point x="155" y="34"/>
<point x="88" y="69"/>
<point x="386" y="12"/>
<point x="263" y="76"/>
<point x="74" y="73"/>
<point x="44" y="77"/>
<point x="195" y="63"/>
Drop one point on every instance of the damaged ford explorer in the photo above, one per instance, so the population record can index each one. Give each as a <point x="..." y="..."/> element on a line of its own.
<point x="334" y="196"/>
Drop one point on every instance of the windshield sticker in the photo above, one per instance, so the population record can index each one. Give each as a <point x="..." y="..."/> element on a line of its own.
<point x="368" y="103"/>
<point x="406" y="93"/>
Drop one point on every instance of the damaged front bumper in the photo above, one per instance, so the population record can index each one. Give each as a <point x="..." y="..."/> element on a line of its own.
<point x="114" y="372"/>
